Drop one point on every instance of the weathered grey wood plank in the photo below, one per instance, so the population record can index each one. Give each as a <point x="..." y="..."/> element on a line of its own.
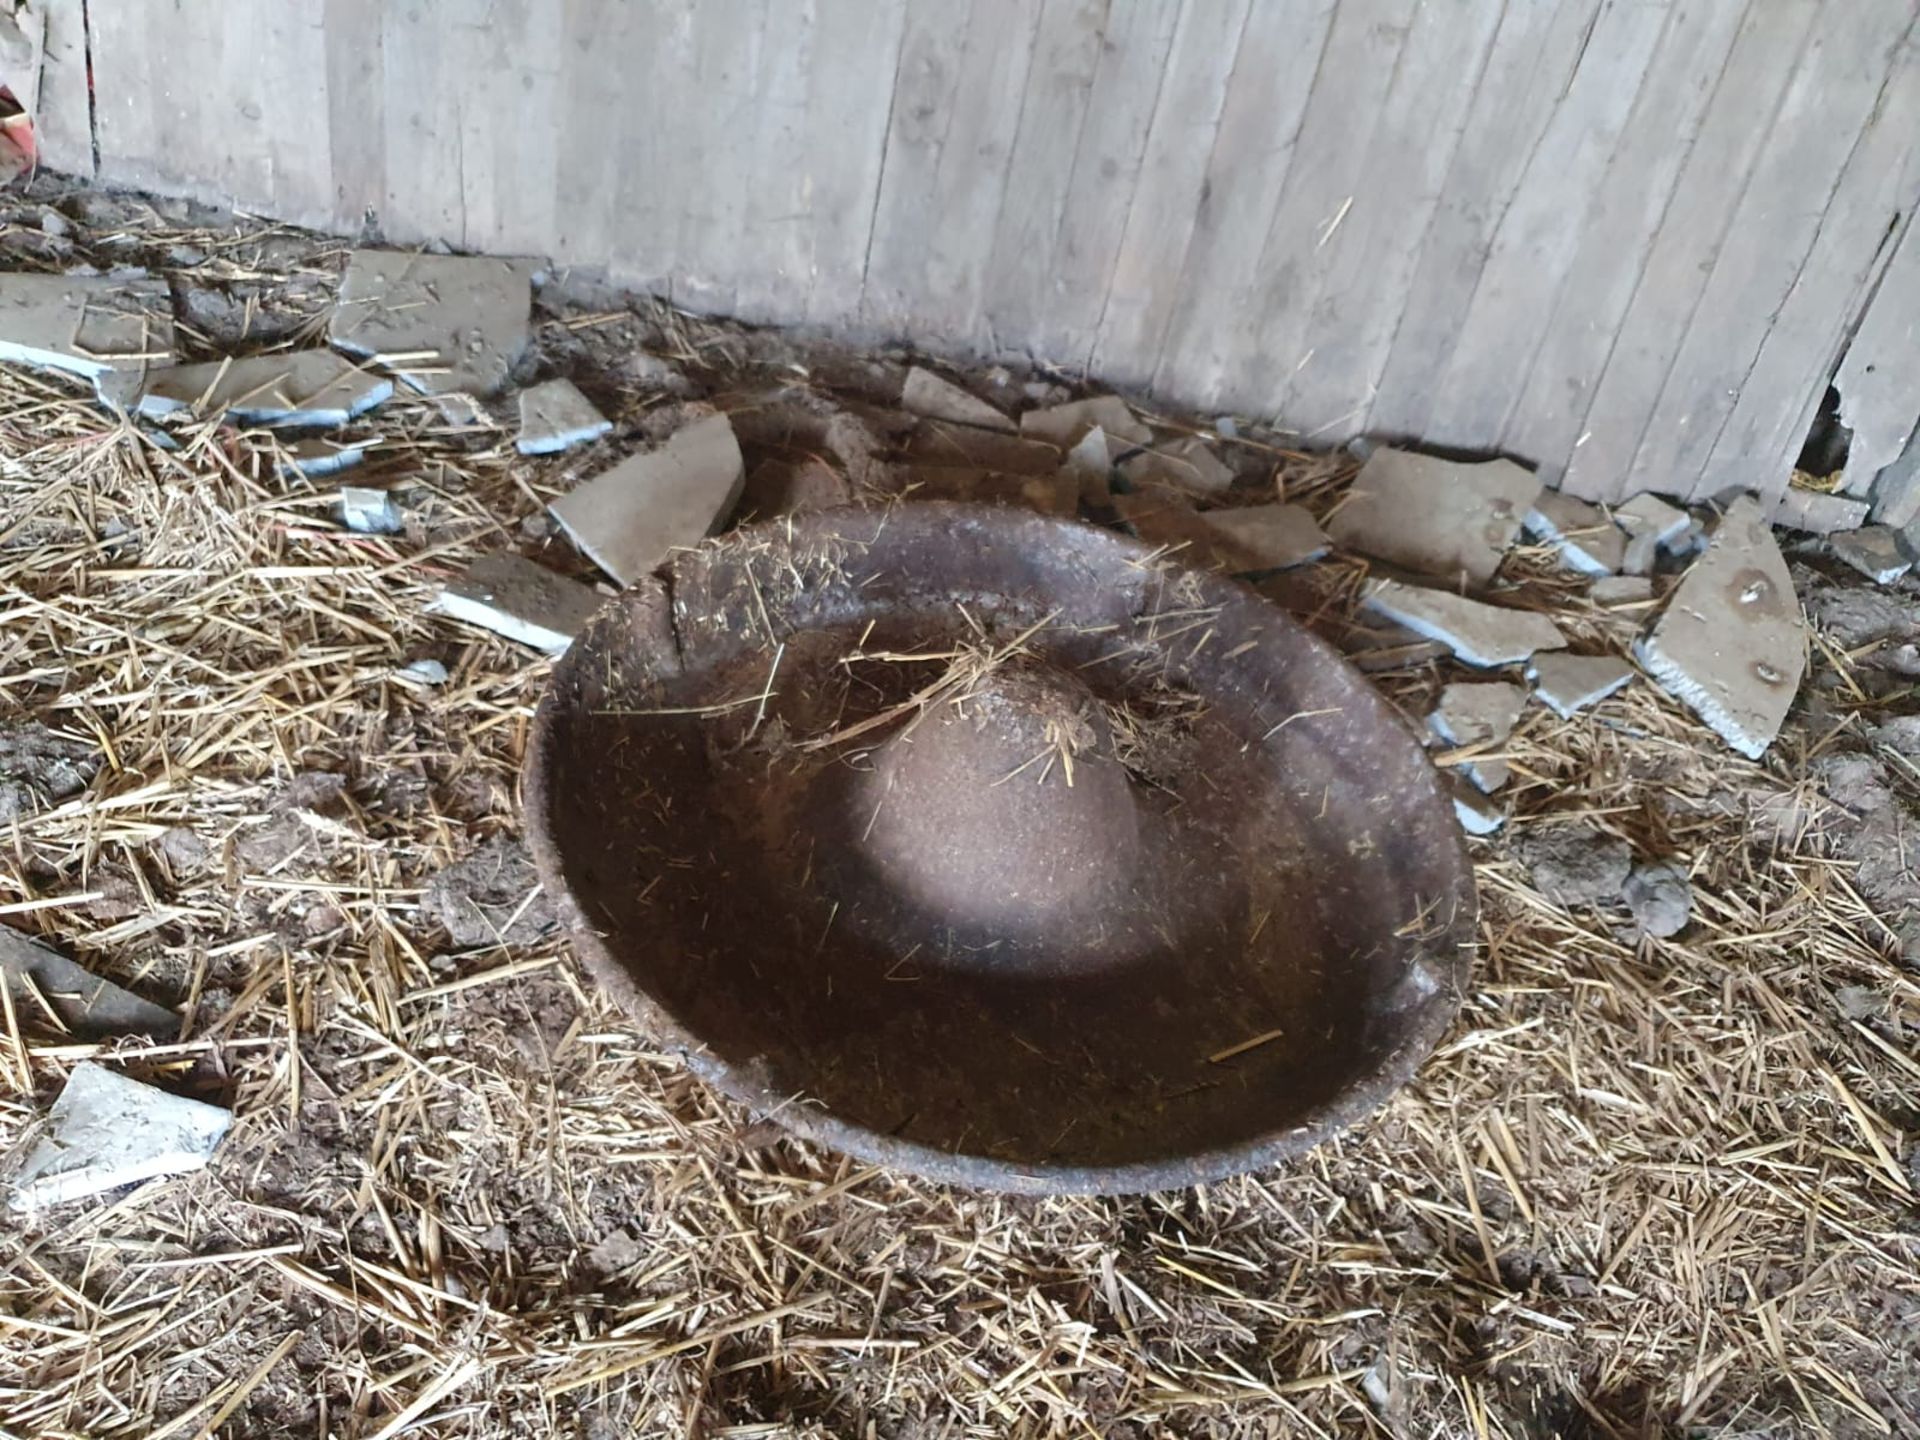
<point x="1361" y="291"/>
<point x="769" y="259"/>
<point x="1879" y="380"/>
<point x="592" y="154"/>
<point x="509" y="146"/>
<point x="356" y="109"/>
<point x="709" y="189"/>
<point x="1534" y="246"/>
<point x="425" y="169"/>
<point x="1683" y="72"/>
<point x="1146" y="272"/>
<point x="1273" y="84"/>
<point x="63" y="121"/>
<point x="1772" y="232"/>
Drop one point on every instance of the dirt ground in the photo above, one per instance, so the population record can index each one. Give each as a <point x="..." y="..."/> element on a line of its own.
<point x="1647" y="1187"/>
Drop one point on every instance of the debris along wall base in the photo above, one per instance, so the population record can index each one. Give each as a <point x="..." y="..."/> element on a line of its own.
<point x="1629" y="243"/>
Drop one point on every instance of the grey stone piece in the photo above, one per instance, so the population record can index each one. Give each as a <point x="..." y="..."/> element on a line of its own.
<point x="1622" y="590"/>
<point x="1586" y="540"/>
<point x="1479" y="713"/>
<point x="630" y="518"/>
<point x="1090" y="465"/>
<point x="1873" y="550"/>
<point x="555" y="416"/>
<point x="1818" y="513"/>
<point x="316" y="458"/>
<point x="107" y="1130"/>
<point x="1477" y="633"/>
<point x="443" y="323"/>
<point x="1274" y="537"/>
<point x="86" y="324"/>
<point x="1478" y="815"/>
<point x="926" y="393"/>
<point x="520" y="600"/>
<point x="1570" y="683"/>
<point x="1649" y="523"/>
<point x="1188" y="463"/>
<point x="1442" y="518"/>
<point x="1660" y="897"/>
<point x="370" y="511"/>
<point x="1575" y="864"/>
<point x="310" y="388"/>
<point x="1063" y="425"/>
<point x="1731" y="643"/>
<point x="88" y="1006"/>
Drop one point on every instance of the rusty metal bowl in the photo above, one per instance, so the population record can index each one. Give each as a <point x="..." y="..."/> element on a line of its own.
<point x="990" y="847"/>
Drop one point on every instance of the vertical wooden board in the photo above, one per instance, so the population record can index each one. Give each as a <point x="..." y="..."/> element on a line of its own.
<point x="771" y="260"/>
<point x="1362" y="288"/>
<point x="231" y="139"/>
<point x="1262" y="339"/>
<point x="597" y="105"/>
<point x="1533" y="57"/>
<point x="1106" y="168"/>
<point x="1273" y="82"/>
<point x="356" y="110"/>
<point x="1681" y="78"/>
<point x="1019" y="279"/>
<point x="63" y="124"/>
<point x="1878" y="380"/>
<point x="299" y="150"/>
<point x="425" y="169"/>
<point x="714" y="174"/>
<point x="1772" y="232"/>
<point x="131" y="103"/>
<point x="1153" y="247"/>
<point x="850" y="95"/>
<point x="660" y="191"/>
<point x="1534" y="246"/>
<point x="1876" y="195"/>
<point x="508" y="141"/>
<point x="1739" y="122"/>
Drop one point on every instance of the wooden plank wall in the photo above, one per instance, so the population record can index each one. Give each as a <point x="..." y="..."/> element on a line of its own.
<point x="1629" y="241"/>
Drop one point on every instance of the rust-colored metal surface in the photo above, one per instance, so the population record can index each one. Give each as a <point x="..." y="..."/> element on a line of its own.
<point x="984" y="845"/>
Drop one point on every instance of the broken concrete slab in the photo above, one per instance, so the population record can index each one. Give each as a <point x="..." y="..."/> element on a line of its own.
<point x="1817" y="513"/>
<point x="40" y="978"/>
<point x="1477" y="633"/>
<point x="1660" y="898"/>
<point x="1089" y="467"/>
<point x="926" y="393"/>
<point x="630" y="518"/>
<point x="1479" y="713"/>
<point x="1437" y="517"/>
<point x="309" y="388"/>
<point x="369" y="511"/>
<point x="1063" y="425"/>
<point x="1622" y="590"/>
<point x="107" y="1130"/>
<point x="1731" y="643"/>
<point x="1649" y="523"/>
<point x="1585" y="539"/>
<point x="442" y="323"/>
<point x="1273" y="537"/>
<point x="88" y="325"/>
<point x="936" y="442"/>
<point x="1478" y="815"/>
<point x="555" y="416"/>
<point x="1188" y="463"/>
<point x="1570" y="683"/>
<point x="1873" y="550"/>
<point x="316" y="458"/>
<point x="524" y="602"/>
<point x="1575" y="864"/>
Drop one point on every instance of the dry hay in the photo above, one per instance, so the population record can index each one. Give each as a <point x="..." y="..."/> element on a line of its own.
<point x="1644" y="1188"/>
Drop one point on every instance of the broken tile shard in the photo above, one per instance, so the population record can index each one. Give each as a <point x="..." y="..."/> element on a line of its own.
<point x="1188" y="463"/>
<point x="370" y="512"/>
<point x="1569" y="683"/>
<point x="523" y="601"/>
<point x="1478" y="815"/>
<point x="1477" y="633"/>
<point x="106" y="1131"/>
<point x="1271" y="537"/>
<point x="1621" y="590"/>
<point x="1479" y="713"/>
<point x="311" y="388"/>
<point x="1818" y="513"/>
<point x="442" y="323"/>
<point x="316" y="458"/>
<point x="1730" y="644"/>
<point x="555" y="416"/>
<point x="1585" y="539"/>
<point x="1438" y="517"/>
<point x="925" y="393"/>
<point x="40" y="978"/>
<point x="86" y="324"/>
<point x="1649" y="523"/>
<point x="1873" y="550"/>
<point x="1063" y="425"/>
<point x="630" y="518"/>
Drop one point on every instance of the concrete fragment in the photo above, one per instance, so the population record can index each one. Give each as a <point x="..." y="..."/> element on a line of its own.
<point x="312" y="388"/>
<point x="555" y="416"/>
<point x="1873" y="550"/>
<point x="316" y="458"/>
<point x="1586" y="540"/>
<point x="925" y="393"/>
<point x="1575" y="864"/>
<point x="1188" y="463"/>
<point x="370" y="511"/>
<point x="630" y="518"/>
<point x="1274" y="537"/>
<point x="1063" y="425"/>
<point x="422" y="672"/>
<point x="1731" y="644"/>
<point x="443" y="323"/>
<point x="107" y="1130"/>
<point x="1621" y="590"/>
<point x="1478" y="815"/>
<point x="1479" y="634"/>
<point x="520" y="600"/>
<point x="87" y="324"/>
<point x="1660" y="898"/>
<point x="1818" y="513"/>
<point x="1089" y="466"/>
<point x="1479" y="713"/>
<point x="87" y="1006"/>
<point x="1569" y="683"/>
<point x="1438" y="517"/>
<point x="1649" y="523"/>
